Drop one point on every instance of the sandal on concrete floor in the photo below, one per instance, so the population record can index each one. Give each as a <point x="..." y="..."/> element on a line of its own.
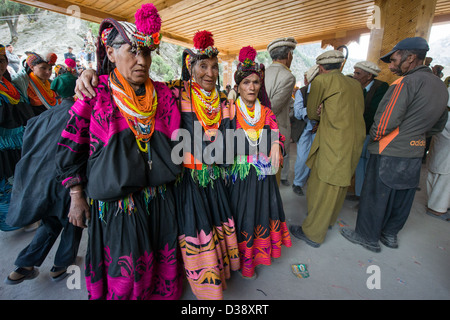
<point x="58" y="273"/>
<point x="24" y="273"/>
<point x="443" y="216"/>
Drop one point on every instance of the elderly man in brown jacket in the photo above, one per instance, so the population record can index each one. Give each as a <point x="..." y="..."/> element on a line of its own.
<point x="338" y="102"/>
<point x="280" y="82"/>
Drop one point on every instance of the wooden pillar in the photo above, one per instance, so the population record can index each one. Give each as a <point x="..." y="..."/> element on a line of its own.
<point x="395" y="20"/>
<point x="227" y="76"/>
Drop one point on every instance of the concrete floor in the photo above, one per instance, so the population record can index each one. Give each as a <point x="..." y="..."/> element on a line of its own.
<point x="418" y="269"/>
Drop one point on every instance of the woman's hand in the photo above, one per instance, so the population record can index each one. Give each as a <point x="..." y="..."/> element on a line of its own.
<point x="79" y="209"/>
<point x="275" y="156"/>
<point x="87" y="81"/>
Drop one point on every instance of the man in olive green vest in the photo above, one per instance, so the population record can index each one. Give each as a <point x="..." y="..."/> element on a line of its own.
<point x="336" y="101"/>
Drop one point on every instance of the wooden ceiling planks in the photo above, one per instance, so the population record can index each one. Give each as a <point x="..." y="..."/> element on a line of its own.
<point x="245" y="21"/>
<point x="236" y="23"/>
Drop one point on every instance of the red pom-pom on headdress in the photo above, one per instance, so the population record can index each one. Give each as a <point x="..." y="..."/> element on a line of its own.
<point x="247" y="53"/>
<point x="203" y="40"/>
<point x="51" y="58"/>
<point x="148" y="20"/>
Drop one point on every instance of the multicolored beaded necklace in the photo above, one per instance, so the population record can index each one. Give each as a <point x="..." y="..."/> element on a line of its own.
<point x="207" y="108"/>
<point x="251" y="119"/>
<point x="139" y="111"/>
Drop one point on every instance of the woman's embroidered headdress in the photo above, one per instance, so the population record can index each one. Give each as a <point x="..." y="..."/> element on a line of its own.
<point x="144" y="33"/>
<point x="34" y="59"/>
<point x="247" y="66"/>
<point x="204" y="44"/>
<point x="203" y="49"/>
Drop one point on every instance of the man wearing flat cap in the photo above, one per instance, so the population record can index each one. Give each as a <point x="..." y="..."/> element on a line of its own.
<point x="373" y="90"/>
<point x="336" y="101"/>
<point x="414" y="106"/>
<point x="280" y="82"/>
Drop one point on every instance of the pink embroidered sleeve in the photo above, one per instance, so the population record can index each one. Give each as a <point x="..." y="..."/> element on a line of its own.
<point x="168" y="117"/>
<point x="271" y="121"/>
<point x="73" y="146"/>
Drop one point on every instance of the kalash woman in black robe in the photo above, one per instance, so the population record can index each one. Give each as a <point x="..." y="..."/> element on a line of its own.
<point x="254" y="195"/>
<point x="36" y="96"/>
<point x="207" y="235"/>
<point x="116" y="149"/>
<point x="15" y="111"/>
<point x="207" y="232"/>
<point x="37" y="196"/>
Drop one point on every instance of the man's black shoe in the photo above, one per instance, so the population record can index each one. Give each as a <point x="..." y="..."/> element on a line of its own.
<point x="389" y="241"/>
<point x="298" y="233"/>
<point x="353" y="237"/>
<point x="298" y="190"/>
<point x="352" y="197"/>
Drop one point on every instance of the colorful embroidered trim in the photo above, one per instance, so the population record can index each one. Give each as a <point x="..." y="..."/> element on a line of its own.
<point x="265" y="243"/>
<point x="11" y="139"/>
<point x="145" y="40"/>
<point x="209" y="258"/>
<point x="151" y="276"/>
<point x="127" y="204"/>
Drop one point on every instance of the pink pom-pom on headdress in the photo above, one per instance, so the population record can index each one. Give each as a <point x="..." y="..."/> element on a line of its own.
<point x="70" y="63"/>
<point x="247" y="53"/>
<point x="148" y="20"/>
<point x="203" y="39"/>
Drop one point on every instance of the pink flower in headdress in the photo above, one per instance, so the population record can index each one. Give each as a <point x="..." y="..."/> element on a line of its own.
<point x="247" y="53"/>
<point x="148" y="20"/>
<point x="203" y="40"/>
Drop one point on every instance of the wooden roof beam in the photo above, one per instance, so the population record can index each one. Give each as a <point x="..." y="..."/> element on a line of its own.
<point x="443" y="18"/>
<point x="59" y="6"/>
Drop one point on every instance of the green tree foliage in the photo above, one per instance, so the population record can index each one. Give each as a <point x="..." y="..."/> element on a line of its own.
<point x="95" y="27"/>
<point x="161" y="68"/>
